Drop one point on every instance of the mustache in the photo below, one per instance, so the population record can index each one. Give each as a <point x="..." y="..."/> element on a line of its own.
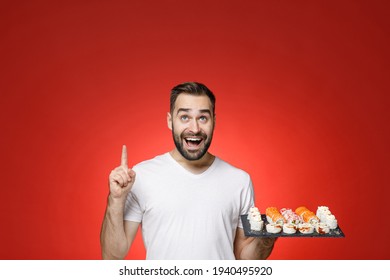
<point x="199" y="134"/>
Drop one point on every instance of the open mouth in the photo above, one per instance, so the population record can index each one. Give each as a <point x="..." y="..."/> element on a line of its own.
<point x="193" y="142"/>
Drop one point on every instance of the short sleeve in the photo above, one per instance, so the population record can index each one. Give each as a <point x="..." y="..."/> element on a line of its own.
<point x="247" y="200"/>
<point x="133" y="210"/>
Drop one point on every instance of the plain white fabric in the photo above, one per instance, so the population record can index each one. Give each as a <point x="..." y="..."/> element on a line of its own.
<point x="185" y="215"/>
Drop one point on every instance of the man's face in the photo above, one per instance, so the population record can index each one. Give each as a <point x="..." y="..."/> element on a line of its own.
<point x="192" y="125"/>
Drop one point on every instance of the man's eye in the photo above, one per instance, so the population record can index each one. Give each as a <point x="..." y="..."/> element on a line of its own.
<point x="184" y="118"/>
<point x="203" y="119"/>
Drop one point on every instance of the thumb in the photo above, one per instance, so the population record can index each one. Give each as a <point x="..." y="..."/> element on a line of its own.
<point x="131" y="173"/>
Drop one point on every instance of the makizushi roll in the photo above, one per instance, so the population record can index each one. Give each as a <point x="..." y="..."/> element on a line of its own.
<point x="307" y="215"/>
<point x="273" y="228"/>
<point x="289" y="228"/>
<point x="274" y="216"/>
<point x="290" y="216"/>
<point x="306" y="228"/>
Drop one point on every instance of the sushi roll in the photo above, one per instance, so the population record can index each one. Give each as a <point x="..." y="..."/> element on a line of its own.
<point x="273" y="216"/>
<point x="255" y="221"/>
<point x="307" y="215"/>
<point x="326" y="217"/>
<point x="273" y="228"/>
<point x="306" y="228"/>
<point x="322" y="228"/>
<point x="331" y="221"/>
<point x="290" y="216"/>
<point x="289" y="228"/>
<point x="254" y="216"/>
<point x="253" y="212"/>
<point x="321" y="213"/>
<point x="256" y="224"/>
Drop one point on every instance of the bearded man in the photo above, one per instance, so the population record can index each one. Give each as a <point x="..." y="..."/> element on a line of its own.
<point x="187" y="201"/>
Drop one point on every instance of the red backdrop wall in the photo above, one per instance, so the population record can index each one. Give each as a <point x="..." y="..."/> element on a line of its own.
<point x="302" y="99"/>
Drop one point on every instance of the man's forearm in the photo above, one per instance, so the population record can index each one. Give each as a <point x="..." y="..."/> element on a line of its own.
<point x="257" y="249"/>
<point x="113" y="238"/>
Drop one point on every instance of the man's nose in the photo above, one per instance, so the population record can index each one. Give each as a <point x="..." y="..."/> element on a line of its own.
<point x="194" y="126"/>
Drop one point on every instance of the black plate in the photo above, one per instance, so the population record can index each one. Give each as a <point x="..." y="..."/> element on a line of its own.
<point x="335" y="233"/>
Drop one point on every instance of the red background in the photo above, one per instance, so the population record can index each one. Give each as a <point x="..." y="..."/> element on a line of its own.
<point x="302" y="105"/>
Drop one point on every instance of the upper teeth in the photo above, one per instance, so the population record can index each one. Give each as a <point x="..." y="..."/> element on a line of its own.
<point x="193" y="139"/>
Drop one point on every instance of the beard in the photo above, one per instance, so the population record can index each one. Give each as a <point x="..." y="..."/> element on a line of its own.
<point x="188" y="154"/>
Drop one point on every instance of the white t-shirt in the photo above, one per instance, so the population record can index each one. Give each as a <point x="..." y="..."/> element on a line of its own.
<point x="185" y="215"/>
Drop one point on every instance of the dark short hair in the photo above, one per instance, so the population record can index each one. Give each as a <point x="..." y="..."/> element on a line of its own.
<point x="193" y="88"/>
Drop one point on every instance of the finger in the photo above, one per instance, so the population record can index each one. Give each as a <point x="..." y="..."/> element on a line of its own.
<point x="131" y="178"/>
<point x="131" y="174"/>
<point x="118" y="179"/>
<point x="123" y="170"/>
<point x="124" y="157"/>
<point x="124" y="179"/>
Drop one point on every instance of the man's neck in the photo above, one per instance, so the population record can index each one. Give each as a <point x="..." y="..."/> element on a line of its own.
<point x="194" y="166"/>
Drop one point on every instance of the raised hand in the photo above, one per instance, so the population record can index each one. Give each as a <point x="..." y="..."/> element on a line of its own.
<point x="122" y="178"/>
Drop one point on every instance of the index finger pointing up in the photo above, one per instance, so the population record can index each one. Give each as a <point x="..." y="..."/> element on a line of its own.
<point x="124" y="156"/>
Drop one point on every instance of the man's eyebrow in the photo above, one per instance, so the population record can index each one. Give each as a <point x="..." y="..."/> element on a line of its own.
<point x="183" y="110"/>
<point x="207" y="111"/>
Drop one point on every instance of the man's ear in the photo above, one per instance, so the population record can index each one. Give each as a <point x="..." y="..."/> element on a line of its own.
<point x="169" y="120"/>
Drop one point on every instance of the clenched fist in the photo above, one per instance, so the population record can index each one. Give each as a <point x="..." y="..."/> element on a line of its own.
<point x="122" y="178"/>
